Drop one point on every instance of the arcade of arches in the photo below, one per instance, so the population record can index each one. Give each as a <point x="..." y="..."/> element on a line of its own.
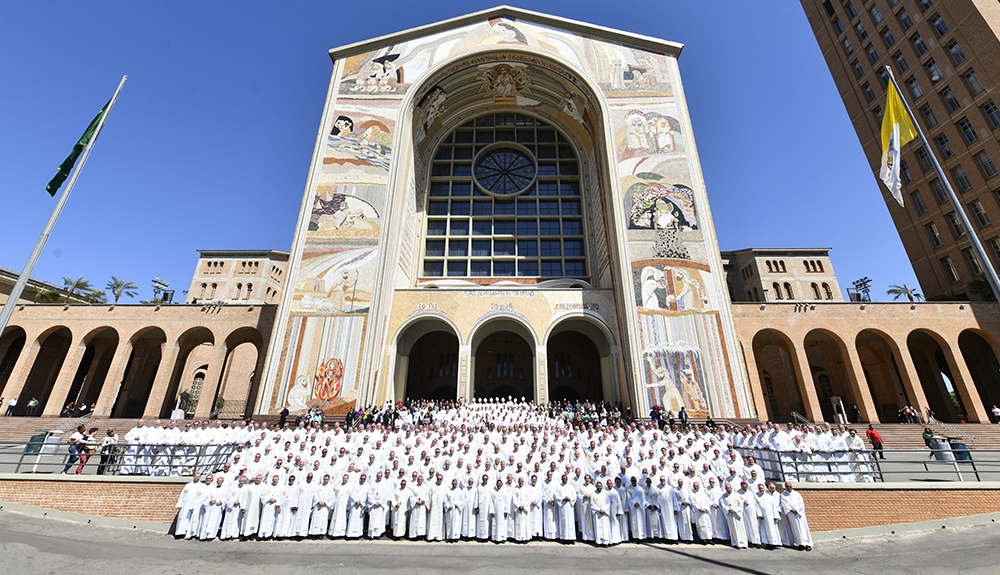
<point x="879" y="357"/>
<point x="134" y="360"/>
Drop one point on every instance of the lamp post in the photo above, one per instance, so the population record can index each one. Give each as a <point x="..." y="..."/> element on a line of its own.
<point x="862" y="285"/>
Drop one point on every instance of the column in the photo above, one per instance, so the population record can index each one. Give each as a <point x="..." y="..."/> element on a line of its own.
<point x="64" y="380"/>
<point x="859" y="384"/>
<point x="161" y="383"/>
<point x="965" y="386"/>
<point x="803" y="374"/>
<point x="541" y="375"/>
<point x="215" y="366"/>
<point x="20" y="373"/>
<point x="756" y="387"/>
<point x="465" y="383"/>
<point x="116" y="373"/>
<point x="910" y="379"/>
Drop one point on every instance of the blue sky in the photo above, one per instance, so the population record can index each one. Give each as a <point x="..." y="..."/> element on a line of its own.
<point x="210" y="142"/>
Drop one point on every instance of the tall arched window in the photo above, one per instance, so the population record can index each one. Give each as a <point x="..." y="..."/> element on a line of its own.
<point x="769" y="268"/>
<point x="820" y="266"/>
<point x="213" y="291"/>
<point x="203" y="288"/>
<point x="782" y="265"/>
<point x="249" y="290"/>
<point x="827" y="291"/>
<point x="788" y="290"/>
<point x="756" y="295"/>
<point x="777" y="290"/>
<point x="816" y="292"/>
<point x="239" y="288"/>
<point x="505" y="200"/>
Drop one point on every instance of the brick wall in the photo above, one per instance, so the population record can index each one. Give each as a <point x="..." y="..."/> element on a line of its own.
<point x="137" y="501"/>
<point x="845" y="508"/>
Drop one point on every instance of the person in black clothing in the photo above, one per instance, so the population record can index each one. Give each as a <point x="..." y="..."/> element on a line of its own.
<point x="683" y="416"/>
<point x="284" y="417"/>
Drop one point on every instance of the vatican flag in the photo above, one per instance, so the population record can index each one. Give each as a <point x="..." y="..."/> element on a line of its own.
<point x="897" y="130"/>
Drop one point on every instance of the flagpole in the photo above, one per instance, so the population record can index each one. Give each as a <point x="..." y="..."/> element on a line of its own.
<point x="977" y="246"/>
<point x="22" y="280"/>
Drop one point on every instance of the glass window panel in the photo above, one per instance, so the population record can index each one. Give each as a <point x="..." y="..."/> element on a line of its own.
<point x="526" y="208"/>
<point x="479" y="269"/>
<point x="437" y="228"/>
<point x="549" y="227"/>
<point x="527" y="248"/>
<point x="463" y="153"/>
<point x="575" y="268"/>
<point x="573" y="247"/>
<point x="503" y="268"/>
<point x="548" y="208"/>
<point x="460" y="208"/>
<point x="435" y="248"/>
<point x="503" y="228"/>
<point x="433" y="268"/>
<point x="458" y="248"/>
<point x="439" y="189"/>
<point x="527" y="228"/>
<point x="457" y="268"/>
<point x="460" y="227"/>
<point x="570" y="208"/>
<point x="504" y="247"/>
<point x="441" y="169"/>
<point x="481" y="248"/>
<point x="569" y="188"/>
<point x="548" y="189"/>
<point x="551" y="269"/>
<point x="527" y="268"/>
<point x="482" y="228"/>
<point x="503" y="208"/>
<point x="572" y="227"/>
<point x="551" y="248"/>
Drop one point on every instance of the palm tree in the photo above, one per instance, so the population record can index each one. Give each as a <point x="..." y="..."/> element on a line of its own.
<point x="78" y="285"/>
<point x="97" y="296"/>
<point x="897" y="290"/>
<point x="979" y="286"/>
<point x="48" y="296"/>
<point x="118" y="288"/>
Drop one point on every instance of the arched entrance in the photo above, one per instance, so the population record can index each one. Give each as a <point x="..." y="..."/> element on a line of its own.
<point x="52" y="353"/>
<point x="829" y="374"/>
<point x="88" y="381"/>
<point x="503" y="360"/>
<point x="936" y="377"/>
<point x="147" y="349"/>
<point x="877" y="353"/>
<point x="11" y="345"/>
<point x="773" y="352"/>
<point x="427" y="361"/>
<point x="983" y="367"/>
<point x="581" y="361"/>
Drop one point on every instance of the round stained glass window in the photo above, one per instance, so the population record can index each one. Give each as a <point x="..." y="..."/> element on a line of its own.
<point x="505" y="170"/>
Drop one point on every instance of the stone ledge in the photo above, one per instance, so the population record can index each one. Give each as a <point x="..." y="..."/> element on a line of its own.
<point x="899" y="528"/>
<point x="901" y="486"/>
<point x="92" y="478"/>
<point x="84" y="518"/>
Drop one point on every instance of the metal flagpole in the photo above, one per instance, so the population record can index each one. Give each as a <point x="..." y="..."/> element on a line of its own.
<point x="977" y="246"/>
<point x="22" y="280"/>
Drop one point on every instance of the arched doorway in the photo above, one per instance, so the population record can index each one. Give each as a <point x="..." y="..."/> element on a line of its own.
<point x="11" y="345"/>
<point x="88" y="381"/>
<point x="432" y="372"/>
<point x="983" y="367"/>
<point x="147" y="349"/>
<point x="504" y="367"/>
<point x="829" y="374"/>
<point x="574" y="368"/>
<point x="427" y="361"/>
<point x="877" y="353"/>
<point x="935" y="377"/>
<point x="52" y="353"/>
<point x="772" y="352"/>
<point x="194" y="350"/>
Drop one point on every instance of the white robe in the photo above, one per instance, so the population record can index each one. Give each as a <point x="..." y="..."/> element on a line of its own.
<point x="701" y="512"/>
<point x="379" y="497"/>
<point x="500" y="512"/>
<point x="419" y="505"/>
<point x="356" y="510"/>
<point x="565" y="499"/>
<point x="400" y="507"/>
<point x="768" y="524"/>
<point x="455" y="507"/>
<point x="600" y="507"/>
<point x="521" y="508"/>
<point x="732" y="505"/>
<point x="322" y="505"/>
<point x="339" y="509"/>
<point x="435" y="512"/>
<point x="795" y="514"/>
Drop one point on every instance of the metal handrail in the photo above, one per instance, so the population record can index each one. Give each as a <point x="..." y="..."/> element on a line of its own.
<point x="953" y="429"/>
<point x="801" y="418"/>
<point x="119" y="458"/>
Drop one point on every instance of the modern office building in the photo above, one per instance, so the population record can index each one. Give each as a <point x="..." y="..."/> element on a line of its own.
<point x="945" y="56"/>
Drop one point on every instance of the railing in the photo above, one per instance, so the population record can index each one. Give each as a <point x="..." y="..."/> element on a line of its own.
<point x="801" y="418"/>
<point x="972" y="438"/>
<point x="877" y="466"/>
<point x="117" y="459"/>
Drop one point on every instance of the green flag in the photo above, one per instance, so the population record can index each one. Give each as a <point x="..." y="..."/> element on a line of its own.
<point x="67" y="166"/>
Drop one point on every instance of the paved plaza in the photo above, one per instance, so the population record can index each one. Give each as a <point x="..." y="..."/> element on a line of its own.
<point x="44" y="545"/>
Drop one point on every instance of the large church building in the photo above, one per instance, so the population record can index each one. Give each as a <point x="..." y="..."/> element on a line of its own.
<point x="506" y="204"/>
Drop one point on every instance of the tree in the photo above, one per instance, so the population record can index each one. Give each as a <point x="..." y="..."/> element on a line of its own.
<point x="897" y="290"/>
<point x="979" y="286"/>
<point x="97" y="296"/>
<point x="48" y="296"/>
<point x="118" y="288"/>
<point x="78" y="285"/>
<point x="153" y="301"/>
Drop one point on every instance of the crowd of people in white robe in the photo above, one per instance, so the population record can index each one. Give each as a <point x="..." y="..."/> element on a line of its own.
<point x="811" y="453"/>
<point x="161" y="451"/>
<point x="500" y="471"/>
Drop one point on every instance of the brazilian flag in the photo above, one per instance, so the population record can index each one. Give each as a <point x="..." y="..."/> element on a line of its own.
<point x="66" y="167"/>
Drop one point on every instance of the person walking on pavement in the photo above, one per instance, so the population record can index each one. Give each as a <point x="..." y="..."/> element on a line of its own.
<point x="875" y="439"/>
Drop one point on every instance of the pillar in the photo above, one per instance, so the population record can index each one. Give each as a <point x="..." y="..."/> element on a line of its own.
<point x="756" y="387"/>
<point x="215" y="366"/>
<point x="965" y="386"/>
<point x="168" y="359"/>
<point x="21" y="371"/>
<point x="911" y="379"/>
<point x="856" y="375"/>
<point x="116" y="373"/>
<point x="804" y="375"/>
<point x="541" y="375"/>
<point x="70" y="365"/>
<point x="465" y="372"/>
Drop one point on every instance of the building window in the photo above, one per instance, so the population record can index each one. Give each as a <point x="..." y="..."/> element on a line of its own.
<point x="212" y="295"/>
<point x="819" y="266"/>
<point x="869" y="93"/>
<point x="939" y="191"/>
<point x="239" y="288"/>
<point x="776" y="289"/>
<point x="858" y="70"/>
<point x="965" y="127"/>
<point x="888" y="38"/>
<point x="876" y="15"/>
<point x="914" y="87"/>
<point x="515" y="223"/>
<point x="945" y="146"/>
<point x="918" y="44"/>
<point x="816" y="291"/>
<point x="877" y="112"/>
<point x="986" y="165"/>
<point x="932" y="234"/>
<point x="955" y="225"/>
<point x="995" y="246"/>
<point x="929" y="116"/>
<point x="838" y="26"/>
<point x="949" y="269"/>
<point x="972" y="81"/>
<point x="203" y="288"/>
<point x="860" y="29"/>
<point x="962" y="178"/>
<point x="918" y="202"/>
<point x="904" y="172"/>
<point x="872" y="53"/>
<point x="827" y="291"/>
<point x="957" y="56"/>
<point x="992" y="114"/>
<point x="924" y="4"/>
<point x="848" y="49"/>
<point x="249" y="291"/>
<point x="938" y="24"/>
<point x="972" y="261"/>
<point x="788" y="290"/>
<point x="850" y="10"/>
<point x="770" y="270"/>
<point x="949" y="99"/>
<point x="756" y="295"/>
<point x="904" y="19"/>
<point x="781" y="264"/>
<point x="924" y="159"/>
<point x="900" y="62"/>
<point x="980" y="213"/>
<point x="883" y="77"/>
<point x="933" y="71"/>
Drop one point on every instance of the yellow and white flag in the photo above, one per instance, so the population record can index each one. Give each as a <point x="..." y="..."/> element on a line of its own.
<point x="897" y="130"/>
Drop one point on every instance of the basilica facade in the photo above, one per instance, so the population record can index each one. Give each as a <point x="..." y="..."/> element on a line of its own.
<point x="506" y="204"/>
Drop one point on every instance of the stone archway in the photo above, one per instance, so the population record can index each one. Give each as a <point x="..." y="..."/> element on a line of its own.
<point x="581" y="359"/>
<point x="980" y="357"/>
<point x="140" y="373"/>
<point x="503" y="359"/>
<point x="773" y="355"/>
<point x="53" y="346"/>
<point x="11" y="344"/>
<point x="427" y="360"/>
<point x="936" y="377"/>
